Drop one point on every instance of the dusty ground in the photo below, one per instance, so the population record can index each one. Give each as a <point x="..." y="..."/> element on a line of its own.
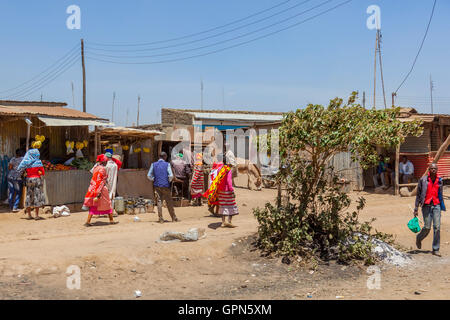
<point x="116" y="260"/>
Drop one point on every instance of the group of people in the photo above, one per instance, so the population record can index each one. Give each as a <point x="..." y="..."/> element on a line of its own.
<point x="27" y="169"/>
<point x="385" y="172"/>
<point x="220" y="192"/>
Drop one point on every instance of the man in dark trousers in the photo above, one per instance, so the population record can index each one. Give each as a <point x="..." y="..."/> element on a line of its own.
<point x="429" y="197"/>
<point x="161" y="175"/>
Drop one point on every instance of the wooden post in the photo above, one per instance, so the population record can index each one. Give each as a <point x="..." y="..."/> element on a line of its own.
<point x="84" y="75"/>
<point x="28" y="136"/>
<point x="95" y="142"/>
<point x="279" y="196"/>
<point x="397" y="163"/>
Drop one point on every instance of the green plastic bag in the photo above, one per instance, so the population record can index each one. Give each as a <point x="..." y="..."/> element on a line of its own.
<point x="414" y="225"/>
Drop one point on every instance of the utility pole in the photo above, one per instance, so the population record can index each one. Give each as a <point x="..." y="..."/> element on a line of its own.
<point x="364" y="99"/>
<point x="381" y="66"/>
<point x="112" y="114"/>
<point x="201" y="94"/>
<point x="375" y="72"/>
<point x="223" y="98"/>
<point x="393" y="97"/>
<point x="431" y="93"/>
<point x="139" y="102"/>
<point x="73" y="95"/>
<point x="84" y="75"/>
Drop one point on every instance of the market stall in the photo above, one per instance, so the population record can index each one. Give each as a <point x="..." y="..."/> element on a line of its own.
<point x="64" y="134"/>
<point x="137" y="151"/>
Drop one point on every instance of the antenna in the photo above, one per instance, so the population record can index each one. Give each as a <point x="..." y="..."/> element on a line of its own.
<point x="201" y="94"/>
<point x="73" y="95"/>
<point x="431" y="93"/>
<point x="139" y="102"/>
<point x="114" y="99"/>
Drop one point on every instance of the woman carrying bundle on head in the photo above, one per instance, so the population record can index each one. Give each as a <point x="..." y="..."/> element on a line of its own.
<point x="34" y="169"/>
<point x="198" y="180"/>
<point x="97" y="197"/>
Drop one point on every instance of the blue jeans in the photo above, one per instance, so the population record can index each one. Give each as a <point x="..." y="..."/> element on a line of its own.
<point x="431" y="214"/>
<point x="15" y="189"/>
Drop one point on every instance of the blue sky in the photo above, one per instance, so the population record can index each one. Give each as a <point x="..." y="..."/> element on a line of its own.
<point x="326" y="57"/>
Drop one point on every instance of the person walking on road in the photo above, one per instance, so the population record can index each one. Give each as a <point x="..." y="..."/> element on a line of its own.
<point x="161" y="175"/>
<point x="429" y="197"/>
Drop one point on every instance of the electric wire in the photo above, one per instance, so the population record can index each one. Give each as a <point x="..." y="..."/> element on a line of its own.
<point x="193" y="34"/>
<point x="45" y="81"/>
<point x="229" y="47"/>
<point x="69" y="53"/>
<point x="208" y="37"/>
<point x="420" y="48"/>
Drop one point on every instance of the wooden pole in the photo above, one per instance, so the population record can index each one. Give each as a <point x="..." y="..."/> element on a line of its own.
<point x="84" y="75"/>
<point x="139" y="102"/>
<point x="28" y="136"/>
<point x="381" y="66"/>
<point x="95" y="142"/>
<point x="375" y="73"/>
<point x="397" y="163"/>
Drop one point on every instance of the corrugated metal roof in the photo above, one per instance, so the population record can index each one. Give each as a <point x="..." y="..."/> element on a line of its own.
<point x="61" y="112"/>
<point x="58" y="122"/>
<point x="237" y="116"/>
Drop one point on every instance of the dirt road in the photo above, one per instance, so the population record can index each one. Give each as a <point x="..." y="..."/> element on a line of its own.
<point x="116" y="260"/>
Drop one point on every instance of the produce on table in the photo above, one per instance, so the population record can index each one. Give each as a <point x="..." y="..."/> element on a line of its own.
<point x="82" y="164"/>
<point x="56" y="167"/>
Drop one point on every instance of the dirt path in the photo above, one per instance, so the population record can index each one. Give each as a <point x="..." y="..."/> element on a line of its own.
<point x="119" y="259"/>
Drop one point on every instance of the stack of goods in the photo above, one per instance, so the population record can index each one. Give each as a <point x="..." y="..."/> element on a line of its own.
<point x="56" y="167"/>
<point x="137" y="205"/>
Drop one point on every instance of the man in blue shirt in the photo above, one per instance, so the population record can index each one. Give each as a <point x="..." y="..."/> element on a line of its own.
<point x="161" y="175"/>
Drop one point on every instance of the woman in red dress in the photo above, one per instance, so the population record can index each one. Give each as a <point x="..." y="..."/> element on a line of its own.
<point x="97" y="197"/>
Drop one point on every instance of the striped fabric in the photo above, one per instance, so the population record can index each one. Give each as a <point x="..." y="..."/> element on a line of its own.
<point x="197" y="182"/>
<point x="227" y="203"/>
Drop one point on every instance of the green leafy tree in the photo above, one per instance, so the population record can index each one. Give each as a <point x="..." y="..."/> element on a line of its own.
<point x="316" y="220"/>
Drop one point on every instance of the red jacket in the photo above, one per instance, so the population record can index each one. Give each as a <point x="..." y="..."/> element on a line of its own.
<point x="36" y="172"/>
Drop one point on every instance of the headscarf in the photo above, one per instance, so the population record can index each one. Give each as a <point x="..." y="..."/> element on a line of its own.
<point x="108" y="154"/>
<point x="101" y="158"/>
<point x="30" y="160"/>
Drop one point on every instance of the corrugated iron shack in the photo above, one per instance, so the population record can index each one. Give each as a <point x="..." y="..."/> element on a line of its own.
<point x="58" y="124"/>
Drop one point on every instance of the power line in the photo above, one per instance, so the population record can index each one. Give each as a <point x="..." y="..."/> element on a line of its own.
<point x="420" y="48"/>
<point x="229" y="47"/>
<point x="208" y="37"/>
<point x="42" y="85"/>
<point x="193" y="34"/>
<point x="50" y="75"/>
<point x="216" y="43"/>
<point x="45" y="71"/>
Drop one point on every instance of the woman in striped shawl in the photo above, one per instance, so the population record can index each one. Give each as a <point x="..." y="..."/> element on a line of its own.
<point x="221" y="191"/>
<point x="198" y="180"/>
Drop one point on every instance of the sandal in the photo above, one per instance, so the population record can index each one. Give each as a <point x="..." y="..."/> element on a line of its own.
<point x="38" y="218"/>
<point x="88" y="224"/>
<point x="113" y="222"/>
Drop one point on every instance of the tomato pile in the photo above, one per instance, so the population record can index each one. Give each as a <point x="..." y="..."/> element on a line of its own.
<point x="56" y="167"/>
